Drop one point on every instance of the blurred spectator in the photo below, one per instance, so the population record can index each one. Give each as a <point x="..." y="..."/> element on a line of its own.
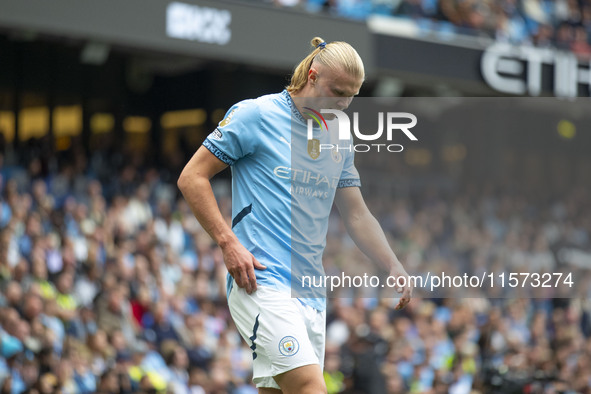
<point x="413" y="8"/>
<point x="543" y="37"/>
<point x="178" y="363"/>
<point x="580" y="44"/>
<point x="564" y="36"/>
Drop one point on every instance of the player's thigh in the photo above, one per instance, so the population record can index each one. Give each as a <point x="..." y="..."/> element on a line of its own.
<point x="307" y="379"/>
<point x="276" y="328"/>
<point x="268" y="390"/>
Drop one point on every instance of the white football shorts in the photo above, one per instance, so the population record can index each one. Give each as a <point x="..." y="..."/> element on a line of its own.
<point x="283" y="333"/>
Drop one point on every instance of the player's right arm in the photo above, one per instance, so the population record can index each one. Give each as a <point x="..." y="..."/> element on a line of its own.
<point x="194" y="183"/>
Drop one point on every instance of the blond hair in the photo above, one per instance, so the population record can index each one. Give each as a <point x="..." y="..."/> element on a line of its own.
<point x="337" y="56"/>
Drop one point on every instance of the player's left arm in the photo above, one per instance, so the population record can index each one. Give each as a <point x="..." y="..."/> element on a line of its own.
<point x="368" y="235"/>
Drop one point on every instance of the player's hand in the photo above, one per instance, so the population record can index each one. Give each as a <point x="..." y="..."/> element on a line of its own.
<point x="241" y="265"/>
<point x="397" y="272"/>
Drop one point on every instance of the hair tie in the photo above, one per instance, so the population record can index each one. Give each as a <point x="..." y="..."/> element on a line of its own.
<point x="321" y="45"/>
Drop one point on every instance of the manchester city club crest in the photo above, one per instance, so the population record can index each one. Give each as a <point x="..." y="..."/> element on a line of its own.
<point x="288" y="346"/>
<point x="336" y="156"/>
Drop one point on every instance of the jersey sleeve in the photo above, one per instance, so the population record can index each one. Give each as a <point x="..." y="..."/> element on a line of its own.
<point x="349" y="175"/>
<point x="235" y="136"/>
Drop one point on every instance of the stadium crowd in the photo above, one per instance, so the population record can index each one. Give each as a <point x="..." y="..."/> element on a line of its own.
<point x="109" y="284"/>
<point x="561" y="24"/>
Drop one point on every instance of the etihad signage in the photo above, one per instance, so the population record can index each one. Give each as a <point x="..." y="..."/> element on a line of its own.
<point x="203" y="24"/>
<point x="522" y="70"/>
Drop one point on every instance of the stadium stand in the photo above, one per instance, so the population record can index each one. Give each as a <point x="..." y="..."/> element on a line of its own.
<point x="563" y="24"/>
<point x="110" y="284"/>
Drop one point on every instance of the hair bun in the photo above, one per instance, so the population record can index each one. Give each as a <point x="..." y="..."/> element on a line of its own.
<point x="316" y="41"/>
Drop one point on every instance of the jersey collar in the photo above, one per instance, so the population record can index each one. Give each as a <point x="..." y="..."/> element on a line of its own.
<point x="295" y="112"/>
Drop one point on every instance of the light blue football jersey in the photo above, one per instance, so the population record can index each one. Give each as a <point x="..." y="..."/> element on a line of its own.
<point x="282" y="193"/>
